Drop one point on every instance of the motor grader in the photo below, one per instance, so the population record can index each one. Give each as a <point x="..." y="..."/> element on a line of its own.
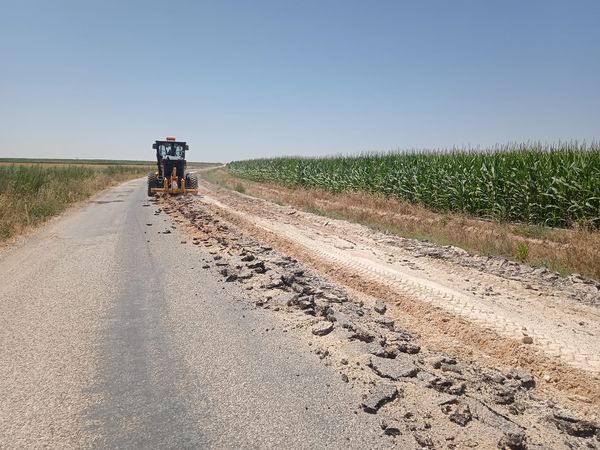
<point x="171" y="176"/>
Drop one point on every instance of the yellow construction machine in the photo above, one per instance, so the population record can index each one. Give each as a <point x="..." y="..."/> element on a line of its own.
<point x="171" y="176"/>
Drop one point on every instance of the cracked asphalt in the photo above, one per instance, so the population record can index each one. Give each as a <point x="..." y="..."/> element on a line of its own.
<point x="112" y="337"/>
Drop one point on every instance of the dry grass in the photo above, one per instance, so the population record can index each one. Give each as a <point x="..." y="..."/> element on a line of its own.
<point x="563" y="250"/>
<point x="63" y="165"/>
<point x="30" y="195"/>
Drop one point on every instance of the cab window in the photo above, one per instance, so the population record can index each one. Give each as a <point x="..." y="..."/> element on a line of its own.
<point x="164" y="149"/>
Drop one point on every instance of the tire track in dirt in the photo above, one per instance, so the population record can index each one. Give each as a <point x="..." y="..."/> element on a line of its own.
<point x="568" y="348"/>
<point x="484" y="325"/>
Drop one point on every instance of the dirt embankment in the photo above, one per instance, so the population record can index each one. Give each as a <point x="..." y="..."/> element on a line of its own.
<point x="455" y="350"/>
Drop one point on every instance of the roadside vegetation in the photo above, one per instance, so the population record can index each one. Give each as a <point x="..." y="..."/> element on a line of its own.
<point x="563" y="250"/>
<point x="70" y="162"/>
<point x="48" y="162"/>
<point x="547" y="185"/>
<point x="32" y="193"/>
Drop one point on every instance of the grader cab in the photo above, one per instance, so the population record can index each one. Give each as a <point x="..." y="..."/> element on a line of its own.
<point x="171" y="176"/>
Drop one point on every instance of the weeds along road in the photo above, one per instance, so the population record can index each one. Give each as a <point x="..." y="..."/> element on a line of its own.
<point x="112" y="336"/>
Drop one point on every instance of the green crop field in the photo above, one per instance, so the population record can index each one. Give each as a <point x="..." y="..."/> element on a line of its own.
<point x="72" y="161"/>
<point x="90" y="162"/>
<point x="552" y="185"/>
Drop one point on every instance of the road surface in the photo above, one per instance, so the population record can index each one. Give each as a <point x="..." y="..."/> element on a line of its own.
<point x="113" y="337"/>
<point x="225" y="321"/>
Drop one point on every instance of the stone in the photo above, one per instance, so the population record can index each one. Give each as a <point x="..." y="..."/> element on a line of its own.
<point x="437" y="362"/>
<point x="407" y="347"/>
<point x="504" y="397"/>
<point x="450" y="368"/>
<point x="231" y="278"/>
<point x="249" y="257"/>
<point x="491" y="375"/>
<point x="387" y="323"/>
<point x="344" y="378"/>
<point x="462" y="415"/>
<point x="390" y="427"/>
<point x="513" y="441"/>
<point x="273" y="285"/>
<point x="423" y="440"/>
<point x="574" y="426"/>
<point x="368" y="348"/>
<point x="322" y="329"/>
<point x="379" y="396"/>
<point x="446" y="399"/>
<point x="305" y="302"/>
<point x="288" y="280"/>
<point x="523" y="376"/>
<point x="402" y="335"/>
<point x="527" y="340"/>
<point x="298" y="288"/>
<point x="339" y="317"/>
<point x="291" y="300"/>
<point x="457" y="388"/>
<point x="380" y="307"/>
<point x="363" y="335"/>
<point x="394" y="368"/>
<point x="256" y="265"/>
<point x="517" y="408"/>
<point x="428" y="378"/>
<point x="384" y="352"/>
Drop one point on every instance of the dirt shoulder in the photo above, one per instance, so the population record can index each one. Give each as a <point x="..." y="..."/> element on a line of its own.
<point x="567" y="251"/>
<point x="429" y="370"/>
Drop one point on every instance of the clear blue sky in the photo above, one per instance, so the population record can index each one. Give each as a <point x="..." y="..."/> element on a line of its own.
<point x="241" y="79"/>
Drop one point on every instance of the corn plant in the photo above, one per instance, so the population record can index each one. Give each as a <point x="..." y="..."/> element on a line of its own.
<point x="552" y="185"/>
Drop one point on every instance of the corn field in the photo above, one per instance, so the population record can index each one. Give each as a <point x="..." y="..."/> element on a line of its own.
<point x="555" y="185"/>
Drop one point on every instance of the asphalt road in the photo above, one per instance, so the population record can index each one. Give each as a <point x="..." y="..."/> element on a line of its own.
<point x="112" y="336"/>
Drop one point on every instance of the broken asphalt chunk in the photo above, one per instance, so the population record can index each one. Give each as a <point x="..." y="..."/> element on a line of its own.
<point x="523" y="376"/>
<point x="574" y="426"/>
<point x="380" y="307"/>
<point x="379" y="396"/>
<point x="394" y="368"/>
<point x="322" y="328"/>
<point x="362" y="335"/>
<point x="494" y="419"/>
<point x="462" y="415"/>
